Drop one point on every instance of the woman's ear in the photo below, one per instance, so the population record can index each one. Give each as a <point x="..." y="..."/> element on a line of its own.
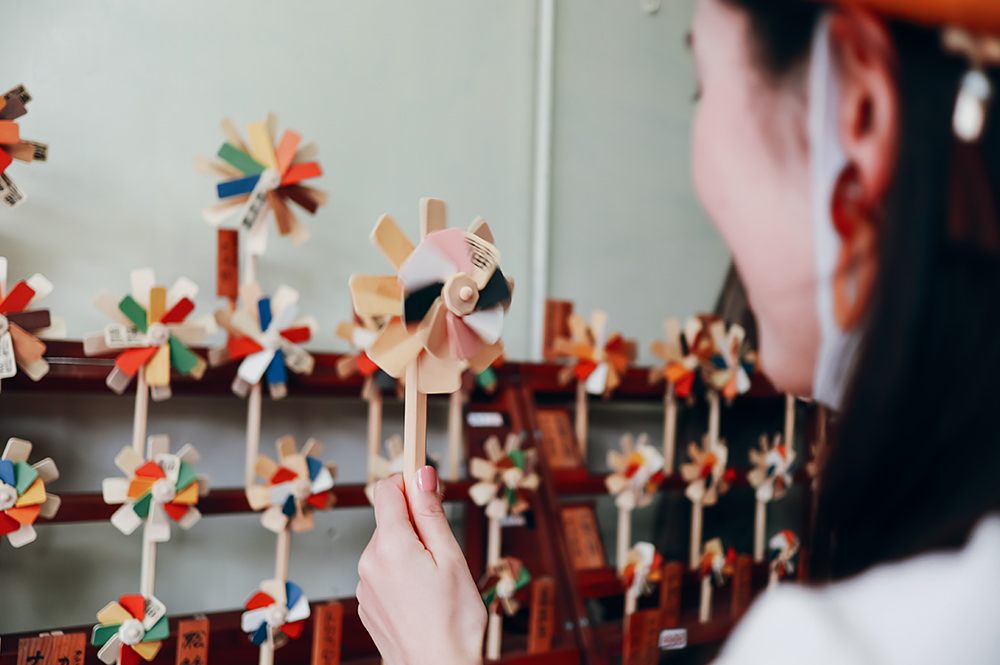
<point x="869" y="100"/>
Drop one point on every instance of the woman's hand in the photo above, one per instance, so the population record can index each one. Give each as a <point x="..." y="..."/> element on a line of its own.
<point x="416" y="596"/>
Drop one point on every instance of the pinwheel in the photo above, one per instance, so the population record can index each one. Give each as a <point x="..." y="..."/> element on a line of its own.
<point x="503" y="477"/>
<point x="716" y="564"/>
<point x="637" y="473"/>
<point x="642" y="568"/>
<point x="503" y="579"/>
<point x="785" y="545"/>
<point x="23" y="494"/>
<point x="707" y="479"/>
<point x="446" y="304"/>
<point x="21" y="324"/>
<point x="601" y="360"/>
<point x="131" y="629"/>
<point x="771" y="474"/>
<point x="294" y="486"/>
<point x="383" y="467"/>
<point x="150" y="325"/>
<point x="263" y="178"/>
<point x="157" y="489"/>
<point x="12" y="146"/>
<point x="732" y="363"/>
<point x="277" y="608"/>
<point x="265" y="336"/>
<point x="680" y="372"/>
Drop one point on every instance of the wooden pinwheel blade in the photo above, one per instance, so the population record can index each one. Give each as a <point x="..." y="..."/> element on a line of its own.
<point x="395" y="348"/>
<point x="287" y="147"/>
<point x="480" y="228"/>
<point x="376" y="295"/>
<point x="438" y="375"/>
<point x="433" y="216"/>
<point x="389" y="238"/>
<point x="261" y="146"/>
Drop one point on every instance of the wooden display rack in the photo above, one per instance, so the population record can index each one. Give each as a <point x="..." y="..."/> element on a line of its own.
<point x="541" y="544"/>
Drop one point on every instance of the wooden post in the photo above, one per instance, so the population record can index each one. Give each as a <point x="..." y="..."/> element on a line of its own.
<point x="374" y="423"/>
<point x="581" y="419"/>
<point x="414" y="425"/>
<point x="705" y="606"/>
<point x="455" y="439"/>
<point x="141" y="413"/>
<point x="789" y="422"/>
<point x="494" y="628"/>
<point x="670" y="594"/>
<point x="543" y="617"/>
<point x="742" y="586"/>
<point x="669" y="429"/>
<point x="759" y="531"/>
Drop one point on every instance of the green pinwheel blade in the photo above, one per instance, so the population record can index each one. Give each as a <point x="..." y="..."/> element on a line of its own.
<point x="135" y="313"/>
<point x="185" y="476"/>
<point x="517" y="457"/>
<point x="159" y="631"/>
<point x="24" y="475"/>
<point x="523" y="578"/>
<point x="489" y="596"/>
<point x="102" y="634"/>
<point x="182" y="357"/>
<point x="141" y="507"/>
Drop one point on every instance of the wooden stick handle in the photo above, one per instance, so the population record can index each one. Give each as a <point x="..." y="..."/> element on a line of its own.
<point x="789" y="435"/>
<point x="697" y="512"/>
<point x="374" y="424"/>
<point x="282" y="554"/>
<point x="147" y="571"/>
<point x="631" y="603"/>
<point x="759" y="531"/>
<point x="624" y="537"/>
<point x="414" y="425"/>
<point x="455" y="431"/>
<point x="494" y="630"/>
<point x="669" y="429"/>
<point x="705" y="607"/>
<point x="713" y="418"/>
<point x="581" y="419"/>
<point x="253" y="432"/>
<point x="141" y="413"/>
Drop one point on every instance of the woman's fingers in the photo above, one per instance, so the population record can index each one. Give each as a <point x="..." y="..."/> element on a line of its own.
<point x="427" y="510"/>
<point x="391" y="513"/>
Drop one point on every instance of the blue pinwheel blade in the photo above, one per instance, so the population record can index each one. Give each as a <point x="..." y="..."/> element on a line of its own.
<point x="289" y="508"/>
<point x="264" y="309"/>
<point x="293" y="592"/>
<point x="276" y="373"/>
<point x="7" y="472"/>
<point x="315" y="466"/>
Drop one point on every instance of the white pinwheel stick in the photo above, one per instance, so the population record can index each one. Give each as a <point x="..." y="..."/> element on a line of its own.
<point x="456" y="404"/>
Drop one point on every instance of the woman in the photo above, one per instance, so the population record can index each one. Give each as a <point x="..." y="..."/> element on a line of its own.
<point x="847" y="153"/>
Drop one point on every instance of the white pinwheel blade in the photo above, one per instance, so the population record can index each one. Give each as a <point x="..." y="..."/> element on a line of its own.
<point x="598" y="380"/>
<point x="283" y="297"/>
<point x="425" y="266"/>
<point x="298" y="611"/>
<point x="253" y="366"/>
<point x="182" y="288"/>
<point x="41" y="286"/>
<point x="280" y="493"/>
<point x="24" y="535"/>
<point x="599" y="328"/>
<point x="158" y="524"/>
<point x="487" y="323"/>
<point x="282" y="318"/>
<point x="107" y="303"/>
<point x="362" y="338"/>
<point x="142" y="280"/>
<point x="251" y="620"/>
<point x="3" y="276"/>
<point x="323" y="482"/>
<point x="246" y="324"/>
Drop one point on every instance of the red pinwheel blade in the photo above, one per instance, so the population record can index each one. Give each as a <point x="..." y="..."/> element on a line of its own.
<point x="135" y="604"/>
<point x="178" y="312"/>
<point x="297" y="335"/>
<point x="258" y="600"/>
<point x="130" y="361"/>
<point x="17" y="299"/>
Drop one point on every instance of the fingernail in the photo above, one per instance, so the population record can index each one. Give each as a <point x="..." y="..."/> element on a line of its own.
<point x="427" y="480"/>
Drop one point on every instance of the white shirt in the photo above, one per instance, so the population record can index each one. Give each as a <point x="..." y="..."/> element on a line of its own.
<point x="933" y="609"/>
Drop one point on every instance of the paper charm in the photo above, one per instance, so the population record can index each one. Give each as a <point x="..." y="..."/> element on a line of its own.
<point x="786" y="553"/>
<point x="706" y="473"/>
<point x="22" y="322"/>
<point x="157" y="490"/>
<point x="638" y="472"/>
<point x="383" y="467"/>
<point x="279" y="607"/>
<point x="503" y="477"/>
<point x="447" y="302"/>
<point x="732" y="362"/>
<point x="601" y="360"/>
<point x="131" y="629"/>
<point x="361" y="335"/>
<point x="502" y="582"/>
<point x="717" y="563"/>
<point x="23" y="495"/>
<point x="680" y="362"/>
<point x="263" y="178"/>
<point x="265" y="336"/>
<point x="151" y="331"/>
<point x="12" y="146"/>
<point x="294" y="486"/>
<point x="771" y="474"/>
<point x="643" y="566"/>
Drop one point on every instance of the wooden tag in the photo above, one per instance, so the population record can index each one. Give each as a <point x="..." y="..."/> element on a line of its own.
<point x="742" y="587"/>
<point x="558" y="440"/>
<point x="52" y="650"/>
<point x="228" y="267"/>
<point x="192" y="642"/>
<point x="543" y="615"/>
<point x="328" y="626"/>
<point x="9" y="192"/>
<point x="8" y="366"/>
<point x="670" y="594"/>
<point x="582" y="537"/>
<point x="641" y="643"/>
<point x="557" y="313"/>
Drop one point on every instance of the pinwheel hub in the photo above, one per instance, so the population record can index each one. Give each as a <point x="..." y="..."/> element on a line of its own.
<point x="270" y="180"/>
<point x="460" y="294"/>
<point x="506" y="587"/>
<point x="8" y="496"/>
<point x="163" y="491"/>
<point x="271" y="338"/>
<point x="158" y="334"/>
<point x="4" y="325"/>
<point x="276" y="615"/>
<point x="301" y="488"/>
<point x="131" y="632"/>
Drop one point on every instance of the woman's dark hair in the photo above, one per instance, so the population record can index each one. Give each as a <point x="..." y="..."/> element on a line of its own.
<point x="916" y="459"/>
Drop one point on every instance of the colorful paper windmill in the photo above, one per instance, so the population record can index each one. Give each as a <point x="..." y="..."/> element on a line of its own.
<point x="680" y="363"/>
<point x="263" y="178"/>
<point x="732" y="363"/>
<point x="279" y="607"/>
<point x="717" y="563"/>
<point x="131" y="629"/>
<point x="447" y="302"/>
<point x="293" y="487"/>
<point x="503" y="477"/>
<point x="600" y="360"/>
<point x="383" y="467"/>
<point x="151" y="325"/>
<point x="706" y="473"/>
<point x="23" y="496"/>
<point x="786" y="551"/>
<point x="265" y="336"/>
<point x="638" y="472"/>
<point x="771" y="474"/>
<point x="643" y="567"/>
<point x="155" y="489"/>
<point x="502" y="582"/>
<point x="21" y="321"/>
<point x="12" y="146"/>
